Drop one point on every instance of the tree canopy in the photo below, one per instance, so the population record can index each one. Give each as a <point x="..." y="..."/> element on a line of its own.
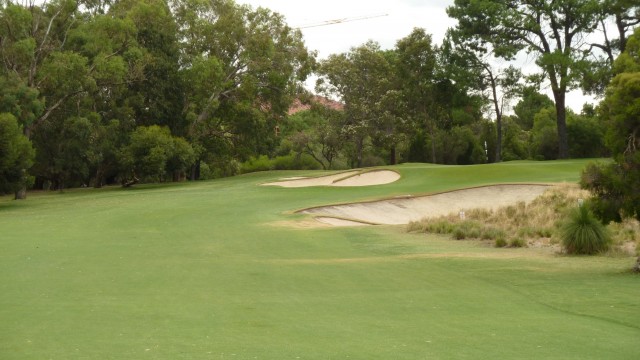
<point x="97" y="92"/>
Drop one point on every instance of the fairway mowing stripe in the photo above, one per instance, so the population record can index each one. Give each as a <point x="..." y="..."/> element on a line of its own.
<point x="379" y="259"/>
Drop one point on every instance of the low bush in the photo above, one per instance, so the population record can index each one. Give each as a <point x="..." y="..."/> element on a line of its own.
<point x="286" y="162"/>
<point x="517" y="242"/>
<point x="295" y="162"/>
<point x="261" y="163"/>
<point x="501" y="242"/>
<point x="582" y="233"/>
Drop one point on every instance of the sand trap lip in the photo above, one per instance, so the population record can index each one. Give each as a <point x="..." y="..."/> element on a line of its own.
<point x="349" y="178"/>
<point x="406" y="209"/>
<point x="339" y="222"/>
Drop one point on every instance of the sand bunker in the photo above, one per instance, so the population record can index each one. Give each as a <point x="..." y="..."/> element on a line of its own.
<point x="349" y="178"/>
<point x="406" y="209"/>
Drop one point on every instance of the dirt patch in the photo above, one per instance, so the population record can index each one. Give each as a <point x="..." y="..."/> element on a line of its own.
<point x="349" y="178"/>
<point x="404" y="210"/>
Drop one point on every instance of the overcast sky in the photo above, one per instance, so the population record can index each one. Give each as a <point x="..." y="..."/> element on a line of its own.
<point x="401" y="17"/>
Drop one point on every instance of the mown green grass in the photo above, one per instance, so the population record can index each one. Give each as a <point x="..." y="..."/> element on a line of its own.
<point x="200" y="271"/>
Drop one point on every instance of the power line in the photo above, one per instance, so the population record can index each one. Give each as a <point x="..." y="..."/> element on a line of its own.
<point x="340" y="21"/>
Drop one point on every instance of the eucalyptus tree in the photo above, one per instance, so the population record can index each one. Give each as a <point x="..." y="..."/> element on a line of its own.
<point x="416" y="68"/>
<point x="16" y="155"/>
<point x="365" y="80"/>
<point x="472" y="65"/>
<point x="552" y="30"/>
<point x="157" y="98"/>
<point x="74" y="61"/>
<point x="243" y="67"/>
<point x="616" y="21"/>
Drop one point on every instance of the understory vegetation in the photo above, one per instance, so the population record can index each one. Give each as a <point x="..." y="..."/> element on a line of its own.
<point x="539" y="223"/>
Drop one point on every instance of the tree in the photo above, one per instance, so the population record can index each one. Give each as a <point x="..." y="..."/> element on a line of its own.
<point x="364" y="80"/>
<point x="65" y="150"/>
<point x="472" y="65"/>
<point x="16" y="155"/>
<point x="321" y="135"/>
<point x="616" y="185"/>
<point x="65" y="57"/>
<point x="621" y="15"/>
<point x="153" y="153"/>
<point x="529" y="105"/>
<point x="416" y="67"/>
<point x="243" y="67"/>
<point x="551" y="29"/>
<point x="158" y="97"/>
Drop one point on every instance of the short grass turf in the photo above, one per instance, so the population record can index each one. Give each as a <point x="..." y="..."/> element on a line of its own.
<point x="206" y="271"/>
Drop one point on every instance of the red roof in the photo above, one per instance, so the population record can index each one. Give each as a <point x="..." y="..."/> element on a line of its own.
<point x="298" y="105"/>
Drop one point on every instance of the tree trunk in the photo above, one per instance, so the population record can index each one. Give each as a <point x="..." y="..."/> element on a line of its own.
<point x="393" y="155"/>
<point x="496" y="105"/>
<point x="433" y="145"/>
<point x="99" y="178"/>
<point x="499" y="140"/>
<point x="561" y="114"/>
<point x="360" y="146"/>
<point x="21" y="194"/>
<point x="195" y="171"/>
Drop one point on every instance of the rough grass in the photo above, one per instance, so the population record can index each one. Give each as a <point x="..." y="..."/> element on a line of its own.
<point x="521" y="225"/>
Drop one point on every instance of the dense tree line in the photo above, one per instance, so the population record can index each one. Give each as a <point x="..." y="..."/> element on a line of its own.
<point x="120" y="91"/>
<point x="140" y="90"/>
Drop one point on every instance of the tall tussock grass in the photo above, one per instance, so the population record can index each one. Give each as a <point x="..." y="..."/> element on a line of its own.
<point x="583" y="234"/>
<point x="539" y="222"/>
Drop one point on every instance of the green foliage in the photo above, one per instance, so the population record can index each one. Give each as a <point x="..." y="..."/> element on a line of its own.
<point x="500" y="242"/>
<point x="295" y="162"/>
<point x="615" y="186"/>
<point x="586" y="137"/>
<point x="545" y="135"/>
<point x="66" y="149"/>
<point x="530" y="105"/>
<point x="16" y="155"/>
<point x="20" y="100"/>
<point x="582" y="233"/>
<point x="260" y="163"/>
<point x="508" y="28"/>
<point x="152" y="153"/>
<point x="285" y="162"/>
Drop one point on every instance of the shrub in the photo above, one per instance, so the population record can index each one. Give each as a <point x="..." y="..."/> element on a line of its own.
<point x="501" y="242"/>
<point x="490" y="233"/>
<point x="517" y="242"/>
<point x="372" y="160"/>
<point x="261" y="163"/>
<point x="582" y="233"/>
<point x="295" y="162"/>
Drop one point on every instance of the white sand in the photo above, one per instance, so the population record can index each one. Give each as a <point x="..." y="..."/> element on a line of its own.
<point x="406" y="209"/>
<point x="349" y="178"/>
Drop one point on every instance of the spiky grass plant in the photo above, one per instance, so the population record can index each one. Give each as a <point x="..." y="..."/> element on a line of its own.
<point x="582" y="233"/>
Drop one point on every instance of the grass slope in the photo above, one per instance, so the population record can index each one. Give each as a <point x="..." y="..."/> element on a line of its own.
<point x="199" y="271"/>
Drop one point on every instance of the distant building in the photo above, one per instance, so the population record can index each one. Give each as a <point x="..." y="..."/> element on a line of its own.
<point x="299" y="105"/>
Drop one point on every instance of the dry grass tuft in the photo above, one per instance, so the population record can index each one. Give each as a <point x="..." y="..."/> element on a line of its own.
<point x="526" y="224"/>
